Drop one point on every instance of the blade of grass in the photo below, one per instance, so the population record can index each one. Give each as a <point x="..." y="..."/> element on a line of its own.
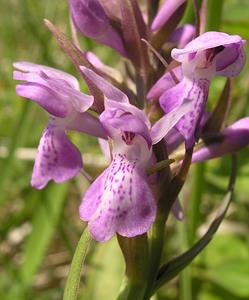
<point x="214" y="14"/>
<point x="185" y="287"/>
<point x="18" y="137"/>
<point x="195" y="201"/>
<point x="45" y="221"/>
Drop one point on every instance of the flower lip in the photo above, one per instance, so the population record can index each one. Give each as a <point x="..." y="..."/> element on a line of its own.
<point x="207" y="40"/>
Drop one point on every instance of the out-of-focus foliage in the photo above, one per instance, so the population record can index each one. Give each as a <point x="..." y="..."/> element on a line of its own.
<point x="39" y="229"/>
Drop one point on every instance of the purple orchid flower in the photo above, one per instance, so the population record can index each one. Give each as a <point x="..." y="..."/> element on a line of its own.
<point x="120" y="199"/>
<point x="210" y="54"/>
<point x="90" y="19"/>
<point x="231" y="140"/>
<point x="58" y="93"/>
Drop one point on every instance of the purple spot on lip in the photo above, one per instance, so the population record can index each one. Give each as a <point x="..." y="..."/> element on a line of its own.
<point x="145" y="211"/>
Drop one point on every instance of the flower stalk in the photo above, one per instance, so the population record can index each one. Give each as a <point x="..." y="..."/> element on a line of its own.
<point x="74" y="275"/>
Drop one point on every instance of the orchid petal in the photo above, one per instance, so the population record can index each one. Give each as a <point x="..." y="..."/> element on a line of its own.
<point x="195" y="90"/>
<point x="91" y="20"/>
<point x="80" y="101"/>
<point x="173" y="140"/>
<point x="105" y="69"/>
<point x="28" y="67"/>
<point x="234" y="138"/>
<point x="46" y="85"/>
<point x="44" y="96"/>
<point x="110" y="91"/>
<point x="167" y="122"/>
<point x="57" y="158"/>
<point x="166" y="11"/>
<point x="164" y="83"/>
<point x="231" y="60"/>
<point x="84" y="122"/>
<point x="207" y="40"/>
<point x="183" y="35"/>
<point x="127" y="108"/>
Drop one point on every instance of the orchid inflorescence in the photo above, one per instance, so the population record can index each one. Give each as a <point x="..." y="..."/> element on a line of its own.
<point x="140" y="118"/>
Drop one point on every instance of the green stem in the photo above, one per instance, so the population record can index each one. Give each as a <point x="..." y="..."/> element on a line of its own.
<point x="195" y="202"/>
<point x="73" y="279"/>
<point x="189" y="15"/>
<point x="135" y="251"/>
<point x="156" y="241"/>
<point x="214" y="13"/>
<point x="185" y="291"/>
<point x="141" y="90"/>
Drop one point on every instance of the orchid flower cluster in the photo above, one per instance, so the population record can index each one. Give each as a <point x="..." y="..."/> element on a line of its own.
<point x="141" y="118"/>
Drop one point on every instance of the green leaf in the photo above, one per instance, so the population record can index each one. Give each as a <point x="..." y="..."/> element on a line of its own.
<point x="45" y="220"/>
<point x="172" y="268"/>
<point x="19" y="135"/>
<point x="104" y="273"/>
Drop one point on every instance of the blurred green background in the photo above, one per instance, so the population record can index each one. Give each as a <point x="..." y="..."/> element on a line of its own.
<point x="39" y="229"/>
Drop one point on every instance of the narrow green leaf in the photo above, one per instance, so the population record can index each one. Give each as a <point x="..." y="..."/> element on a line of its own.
<point x="214" y="14"/>
<point x="185" y="284"/>
<point x="46" y="218"/>
<point x="73" y="279"/>
<point x="196" y="197"/>
<point x="172" y="268"/>
<point x="105" y="272"/>
<point x="20" y="133"/>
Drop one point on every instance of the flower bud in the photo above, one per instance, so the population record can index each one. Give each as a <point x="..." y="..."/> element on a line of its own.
<point x="91" y="20"/>
<point x="167" y="10"/>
